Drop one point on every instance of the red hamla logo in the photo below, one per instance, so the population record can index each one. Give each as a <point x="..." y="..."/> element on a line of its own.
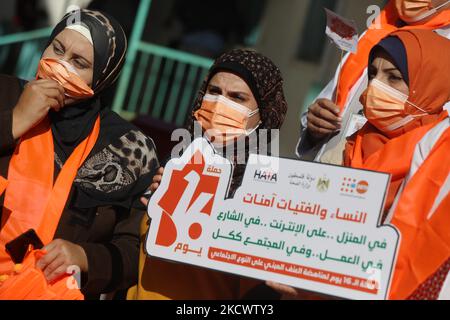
<point x="181" y="181"/>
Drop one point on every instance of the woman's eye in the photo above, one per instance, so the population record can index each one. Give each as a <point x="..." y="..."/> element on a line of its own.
<point x="395" y="78"/>
<point x="57" y="50"/>
<point x="237" y="97"/>
<point x="79" y="64"/>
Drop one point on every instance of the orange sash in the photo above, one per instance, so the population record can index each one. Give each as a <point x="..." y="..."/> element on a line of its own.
<point x="425" y="242"/>
<point x="355" y="65"/>
<point x="394" y="157"/>
<point x="32" y="201"/>
<point x="3" y="185"/>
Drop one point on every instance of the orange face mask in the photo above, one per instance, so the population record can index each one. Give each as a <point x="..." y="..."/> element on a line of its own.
<point x="224" y="119"/>
<point x="412" y="11"/>
<point x="384" y="107"/>
<point x="66" y="75"/>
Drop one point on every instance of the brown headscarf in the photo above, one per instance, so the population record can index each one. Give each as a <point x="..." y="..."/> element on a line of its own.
<point x="429" y="85"/>
<point x="266" y="83"/>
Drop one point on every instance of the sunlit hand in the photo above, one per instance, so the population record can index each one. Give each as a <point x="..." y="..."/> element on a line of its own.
<point x="155" y="185"/>
<point x="37" y="99"/>
<point x="290" y="293"/>
<point x="60" y="256"/>
<point x="323" y="118"/>
<point x="283" y="289"/>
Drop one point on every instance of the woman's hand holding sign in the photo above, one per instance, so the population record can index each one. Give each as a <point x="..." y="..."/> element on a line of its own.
<point x="155" y="185"/>
<point x="323" y="118"/>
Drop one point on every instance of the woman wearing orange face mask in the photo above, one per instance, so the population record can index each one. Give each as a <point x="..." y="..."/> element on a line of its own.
<point x="72" y="172"/>
<point x="416" y="12"/>
<point x="326" y="124"/>
<point x="242" y="94"/>
<point x="408" y="136"/>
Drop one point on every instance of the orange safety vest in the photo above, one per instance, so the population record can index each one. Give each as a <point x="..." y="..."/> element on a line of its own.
<point x="425" y="234"/>
<point x="355" y="65"/>
<point x="34" y="201"/>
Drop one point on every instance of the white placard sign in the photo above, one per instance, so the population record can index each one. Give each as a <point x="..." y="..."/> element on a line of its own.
<point x="307" y="225"/>
<point x="342" y="32"/>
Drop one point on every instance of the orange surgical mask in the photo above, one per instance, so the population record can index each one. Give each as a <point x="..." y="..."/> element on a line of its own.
<point x="223" y="118"/>
<point x="66" y="75"/>
<point x="384" y="107"/>
<point x="413" y="11"/>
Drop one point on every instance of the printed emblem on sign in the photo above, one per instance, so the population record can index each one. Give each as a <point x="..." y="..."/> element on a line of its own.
<point x="323" y="184"/>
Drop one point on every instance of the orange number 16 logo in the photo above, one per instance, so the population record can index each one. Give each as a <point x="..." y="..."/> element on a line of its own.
<point x="187" y="203"/>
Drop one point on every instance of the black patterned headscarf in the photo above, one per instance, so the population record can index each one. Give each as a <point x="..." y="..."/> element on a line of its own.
<point x="123" y="161"/>
<point x="266" y="83"/>
<point x="73" y="123"/>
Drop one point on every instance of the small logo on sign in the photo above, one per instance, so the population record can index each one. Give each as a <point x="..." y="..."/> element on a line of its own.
<point x="323" y="184"/>
<point x="265" y="176"/>
<point x="362" y="187"/>
<point x="351" y="186"/>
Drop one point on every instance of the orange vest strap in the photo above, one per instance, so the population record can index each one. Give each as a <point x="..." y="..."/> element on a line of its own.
<point x="3" y="185"/>
<point x="425" y="236"/>
<point x="32" y="201"/>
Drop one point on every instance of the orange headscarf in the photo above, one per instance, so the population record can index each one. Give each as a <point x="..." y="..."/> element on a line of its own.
<point x="429" y="74"/>
<point x="357" y="63"/>
<point x="424" y="241"/>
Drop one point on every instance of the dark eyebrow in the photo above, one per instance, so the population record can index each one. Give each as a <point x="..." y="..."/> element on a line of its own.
<point x="234" y="93"/>
<point x="239" y="93"/>
<point x="390" y="69"/>
<point x="60" y="43"/>
<point x="211" y="86"/>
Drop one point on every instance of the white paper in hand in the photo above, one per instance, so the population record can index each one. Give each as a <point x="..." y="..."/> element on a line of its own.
<point x="342" y="32"/>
